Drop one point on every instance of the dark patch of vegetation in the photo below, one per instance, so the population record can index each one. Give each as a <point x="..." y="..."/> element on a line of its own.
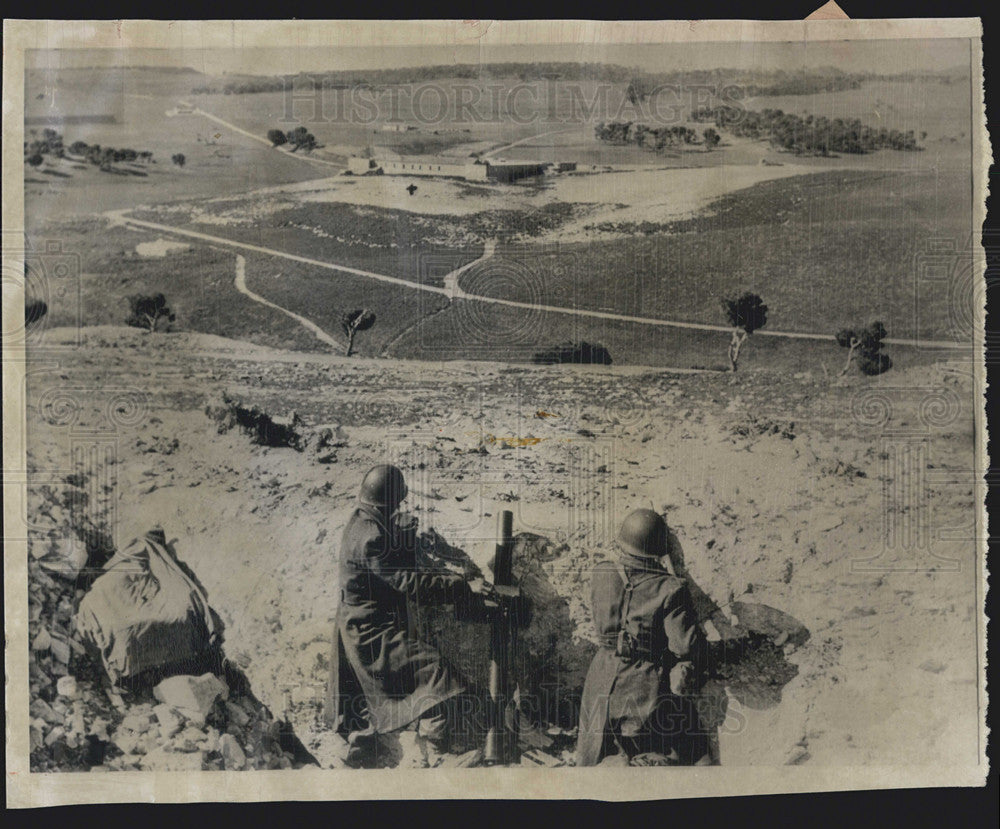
<point x="581" y="352"/>
<point x="147" y="311"/>
<point x="34" y="310"/>
<point x="808" y="134"/>
<point x="51" y="143"/>
<point x="263" y="428"/>
<point x="657" y="139"/>
<point x="301" y="139"/>
<point x="866" y="344"/>
<point x="640" y="85"/>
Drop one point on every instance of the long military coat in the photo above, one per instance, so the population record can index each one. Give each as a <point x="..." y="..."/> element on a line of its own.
<point x="627" y="707"/>
<point x="381" y="674"/>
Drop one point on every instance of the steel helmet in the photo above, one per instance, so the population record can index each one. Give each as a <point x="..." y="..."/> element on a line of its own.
<point x="644" y="533"/>
<point x="383" y="486"/>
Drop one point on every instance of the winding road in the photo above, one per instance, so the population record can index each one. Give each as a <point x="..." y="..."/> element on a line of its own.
<point x="241" y="286"/>
<point x="452" y="290"/>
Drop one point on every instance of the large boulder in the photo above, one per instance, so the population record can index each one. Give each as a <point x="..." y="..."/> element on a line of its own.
<point x="191" y="696"/>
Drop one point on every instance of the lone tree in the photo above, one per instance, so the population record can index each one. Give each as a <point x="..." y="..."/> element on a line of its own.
<point x="34" y="310"/>
<point x="354" y="321"/>
<point x="712" y="138"/>
<point x="746" y="314"/>
<point x="35" y="159"/>
<point x="276" y="137"/>
<point x="178" y="159"/>
<point x="867" y="345"/>
<point x="147" y="310"/>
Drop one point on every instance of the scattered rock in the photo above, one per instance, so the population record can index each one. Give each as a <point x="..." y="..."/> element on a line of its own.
<point x="169" y="720"/>
<point x="191" y="696"/>
<point x="138" y="721"/>
<point x="39" y="708"/>
<point x="66" y="687"/>
<point x="232" y="754"/>
<point x="42" y="642"/>
<point x="237" y="714"/>
<point x="264" y="429"/>
<point x="54" y="735"/>
<point x="60" y="650"/>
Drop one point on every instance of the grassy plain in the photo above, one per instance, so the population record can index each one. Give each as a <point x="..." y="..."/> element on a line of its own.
<point x="824" y="251"/>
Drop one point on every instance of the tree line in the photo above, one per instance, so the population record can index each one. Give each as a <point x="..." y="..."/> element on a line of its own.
<point x="51" y="143"/>
<point x="806" y="134"/>
<point x="776" y="82"/>
<point x="653" y="138"/>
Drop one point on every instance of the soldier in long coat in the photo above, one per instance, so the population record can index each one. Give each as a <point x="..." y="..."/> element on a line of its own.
<point x="638" y="704"/>
<point x="383" y="678"/>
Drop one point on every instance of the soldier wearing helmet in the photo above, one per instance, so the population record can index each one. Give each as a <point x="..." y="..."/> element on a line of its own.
<point x="383" y="678"/>
<point x="638" y="705"/>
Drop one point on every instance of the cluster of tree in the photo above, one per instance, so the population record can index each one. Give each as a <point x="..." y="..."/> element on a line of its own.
<point x="808" y="133"/>
<point x="50" y="143"/>
<point x="299" y="138"/>
<point x="777" y="82"/>
<point x="148" y="310"/>
<point x="865" y="344"/>
<point x="653" y="138"/>
<point x="581" y="352"/>
<point x="104" y="157"/>
<point x="179" y="159"/>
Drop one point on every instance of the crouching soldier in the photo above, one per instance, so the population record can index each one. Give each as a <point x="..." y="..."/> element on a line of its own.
<point x="638" y="703"/>
<point x="383" y="678"/>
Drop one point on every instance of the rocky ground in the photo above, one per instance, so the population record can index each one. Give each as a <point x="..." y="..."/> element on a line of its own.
<point x="777" y="487"/>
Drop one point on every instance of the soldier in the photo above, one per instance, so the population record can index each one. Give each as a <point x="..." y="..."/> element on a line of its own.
<point x="383" y="678"/>
<point x="638" y="703"/>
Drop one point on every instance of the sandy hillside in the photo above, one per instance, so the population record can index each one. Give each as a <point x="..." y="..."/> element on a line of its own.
<point x="774" y="489"/>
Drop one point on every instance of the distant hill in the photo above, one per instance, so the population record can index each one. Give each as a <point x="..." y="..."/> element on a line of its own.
<point x="755" y="83"/>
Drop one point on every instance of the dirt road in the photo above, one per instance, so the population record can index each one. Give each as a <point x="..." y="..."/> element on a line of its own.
<point x="241" y="286"/>
<point x="453" y="291"/>
<point x="260" y="139"/>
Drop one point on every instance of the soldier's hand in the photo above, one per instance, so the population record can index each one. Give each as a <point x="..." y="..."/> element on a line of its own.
<point x="682" y="679"/>
<point x="480" y="586"/>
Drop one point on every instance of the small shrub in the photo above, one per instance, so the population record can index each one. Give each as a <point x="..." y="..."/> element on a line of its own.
<point x="872" y="364"/>
<point x="581" y="353"/>
<point x="867" y="344"/>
